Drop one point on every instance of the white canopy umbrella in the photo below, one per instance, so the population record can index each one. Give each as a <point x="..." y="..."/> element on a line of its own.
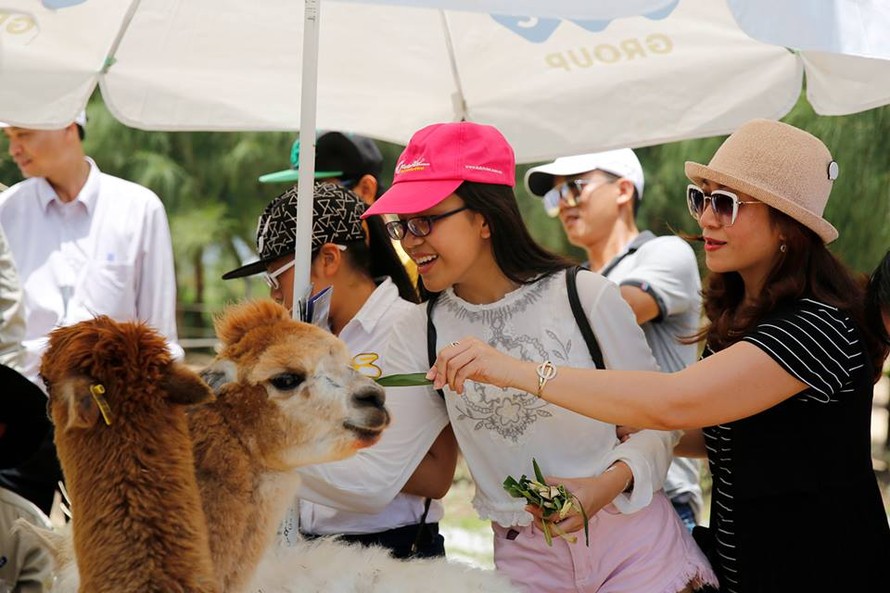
<point x="577" y="75"/>
<point x="551" y="85"/>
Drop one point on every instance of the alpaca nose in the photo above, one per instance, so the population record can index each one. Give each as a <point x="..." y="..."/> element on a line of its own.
<point x="370" y="397"/>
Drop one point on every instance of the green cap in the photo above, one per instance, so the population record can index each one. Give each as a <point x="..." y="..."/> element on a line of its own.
<point x="345" y="156"/>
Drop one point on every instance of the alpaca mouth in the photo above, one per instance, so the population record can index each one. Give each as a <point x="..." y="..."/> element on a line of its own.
<point x="368" y="432"/>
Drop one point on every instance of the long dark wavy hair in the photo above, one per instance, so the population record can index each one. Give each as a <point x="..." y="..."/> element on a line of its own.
<point x="807" y="269"/>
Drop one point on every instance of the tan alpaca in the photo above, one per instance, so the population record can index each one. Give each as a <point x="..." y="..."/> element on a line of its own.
<point x="117" y="403"/>
<point x="287" y="396"/>
<point x="262" y="432"/>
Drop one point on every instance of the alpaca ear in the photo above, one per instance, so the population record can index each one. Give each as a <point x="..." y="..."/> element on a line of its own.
<point x="237" y="320"/>
<point x="219" y="374"/>
<point x="184" y="386"/>
<point x="83" y="411"/>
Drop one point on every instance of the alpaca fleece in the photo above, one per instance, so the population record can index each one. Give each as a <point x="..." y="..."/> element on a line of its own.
<point x="138" y="524"/>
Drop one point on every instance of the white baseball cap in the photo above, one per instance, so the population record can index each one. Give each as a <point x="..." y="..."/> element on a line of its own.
<point x="80" y="120"/>
<point x="622" y="162"/>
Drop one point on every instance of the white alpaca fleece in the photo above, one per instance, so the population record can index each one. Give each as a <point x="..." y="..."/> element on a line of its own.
<point x="329" y="566"/>
<point x="319" y="566"/>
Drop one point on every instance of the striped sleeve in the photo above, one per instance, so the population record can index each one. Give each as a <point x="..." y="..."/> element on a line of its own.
<point x="814" y="342"/>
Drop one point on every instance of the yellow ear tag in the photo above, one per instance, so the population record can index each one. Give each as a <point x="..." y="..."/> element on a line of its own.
<point x="98" y="391"/>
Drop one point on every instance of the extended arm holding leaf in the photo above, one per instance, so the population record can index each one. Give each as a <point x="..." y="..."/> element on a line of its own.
<point x="703" y="394"/>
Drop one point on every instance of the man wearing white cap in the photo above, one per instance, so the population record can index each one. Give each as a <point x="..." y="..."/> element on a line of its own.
<point x="596" y="197"/>
<point x="85" y="244"/>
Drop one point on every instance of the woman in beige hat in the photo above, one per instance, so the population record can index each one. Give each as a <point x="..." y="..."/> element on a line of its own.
<point x="784" y="390"/>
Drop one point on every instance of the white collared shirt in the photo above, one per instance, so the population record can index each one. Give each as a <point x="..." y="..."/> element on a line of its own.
<point x="107" y="252"/>
<point x="362" y="494"/>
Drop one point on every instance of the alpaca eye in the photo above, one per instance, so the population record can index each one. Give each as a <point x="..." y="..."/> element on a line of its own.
<point x="287" y="381"/>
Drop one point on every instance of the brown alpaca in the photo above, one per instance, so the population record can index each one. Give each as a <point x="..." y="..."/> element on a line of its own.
<point x="138" y="524"/>
<point x="287" y="396"/>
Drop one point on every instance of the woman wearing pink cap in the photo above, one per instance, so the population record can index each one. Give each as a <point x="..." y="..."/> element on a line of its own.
<point x="459" y="221"/>
<point x="785" y="387"/>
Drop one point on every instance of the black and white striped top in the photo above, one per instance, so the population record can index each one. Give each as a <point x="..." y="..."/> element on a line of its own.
<point x="790" y="451"/>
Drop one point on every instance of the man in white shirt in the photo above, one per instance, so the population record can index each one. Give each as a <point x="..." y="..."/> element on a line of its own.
<point x="85" y="244"/>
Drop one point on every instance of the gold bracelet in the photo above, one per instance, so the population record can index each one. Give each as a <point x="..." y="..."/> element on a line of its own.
<point x="546" y="371"/>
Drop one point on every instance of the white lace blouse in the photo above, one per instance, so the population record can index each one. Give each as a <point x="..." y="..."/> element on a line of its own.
<point x="501" y="430"/>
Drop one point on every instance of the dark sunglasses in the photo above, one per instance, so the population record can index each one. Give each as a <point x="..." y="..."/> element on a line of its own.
<point x="724" y="204"/>
<point x="571" y="192"/>
<point x="419" y="226"/>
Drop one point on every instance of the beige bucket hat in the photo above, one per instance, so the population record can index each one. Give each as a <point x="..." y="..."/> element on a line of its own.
<point x="780" y="165"/>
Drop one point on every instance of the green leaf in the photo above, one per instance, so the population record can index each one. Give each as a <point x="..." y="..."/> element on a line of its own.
<point x="403" y="380"/>
<point x="538" y="475"/>
<point x="550" y="499"/>
<point x="586" y="521"/>
<point x="547" y="537"/>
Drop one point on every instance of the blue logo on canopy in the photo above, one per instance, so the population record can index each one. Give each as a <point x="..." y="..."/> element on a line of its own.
<point x="539" y="30"/>
<point x="56" y="4"/>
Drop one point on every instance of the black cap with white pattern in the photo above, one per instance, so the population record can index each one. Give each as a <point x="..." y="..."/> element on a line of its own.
<point x="336" y="218"/>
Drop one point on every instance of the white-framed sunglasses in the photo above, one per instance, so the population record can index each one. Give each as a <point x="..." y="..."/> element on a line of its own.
<point x="271" y="278"/>
<point x="724" y="204"/>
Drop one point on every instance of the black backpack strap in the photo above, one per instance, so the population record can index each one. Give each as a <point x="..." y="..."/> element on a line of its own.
<point x="581" y="318"/>
<point x="641" y="240"/>
<point x="431" y="355"/>
<point x="431" y="335"/>
<point x="421" y="527"/>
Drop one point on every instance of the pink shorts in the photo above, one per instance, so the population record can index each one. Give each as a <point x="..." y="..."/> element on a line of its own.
<point x="649" y="551"/>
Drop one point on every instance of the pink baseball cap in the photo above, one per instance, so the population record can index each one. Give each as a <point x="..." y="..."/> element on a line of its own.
<point x="438" y="159"/>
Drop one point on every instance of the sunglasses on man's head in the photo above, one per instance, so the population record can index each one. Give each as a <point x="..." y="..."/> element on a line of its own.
<point x="724" y="204"/>
<point x="419" y="226"/>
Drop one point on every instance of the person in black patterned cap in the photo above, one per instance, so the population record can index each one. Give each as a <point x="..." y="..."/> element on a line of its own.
<point x="380" y="495"/>
<point x="354" y="162"/>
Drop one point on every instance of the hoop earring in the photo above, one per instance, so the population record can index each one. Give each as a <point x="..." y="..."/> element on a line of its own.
<point x="783" y="248"/>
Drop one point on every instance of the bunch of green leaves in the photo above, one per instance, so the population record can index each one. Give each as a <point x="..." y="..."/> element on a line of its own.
<point x="554" y="501"/>
<point x="403" y="380"/>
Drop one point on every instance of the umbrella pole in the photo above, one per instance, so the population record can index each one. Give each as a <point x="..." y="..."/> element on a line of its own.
<point x="309" y="86"/>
